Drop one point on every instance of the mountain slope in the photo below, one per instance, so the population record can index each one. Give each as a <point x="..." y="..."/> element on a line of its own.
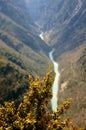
<point x="13" y="81"/>
<point x="14" y="70"/>
<point x="73" y="34"/>
<point x="72" y="66"/>
<point x="64" y="25"/>
<point x="19" y="33"/>
<point x="63" y="22"/>
<point x="18" y="25"/>
<point x="22" y="52"/>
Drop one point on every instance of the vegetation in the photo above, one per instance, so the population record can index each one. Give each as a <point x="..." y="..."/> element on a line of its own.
<point x="19" y="42"/>
<point x="72" y="84"/>
<point x="10" y="40"/>
<point x="22" y="52"/>
<point x="13" y="58"/>
<point x="63" y="22"/>
<point x="25" y="59"/>
<point x="34" y="112"/>
<point x="13" y="82"/>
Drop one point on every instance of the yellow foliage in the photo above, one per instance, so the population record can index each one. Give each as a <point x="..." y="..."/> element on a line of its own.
<point x="34" y="112"/>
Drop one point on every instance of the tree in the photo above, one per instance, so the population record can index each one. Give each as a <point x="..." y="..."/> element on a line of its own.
<point x="34" y="113"/>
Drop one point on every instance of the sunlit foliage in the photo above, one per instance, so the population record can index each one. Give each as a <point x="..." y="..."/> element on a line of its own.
<point x="35" y="113"/>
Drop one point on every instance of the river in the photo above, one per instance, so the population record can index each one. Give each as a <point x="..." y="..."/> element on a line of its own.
<point x="41" y="35"/>
<point x="54" y="100"/>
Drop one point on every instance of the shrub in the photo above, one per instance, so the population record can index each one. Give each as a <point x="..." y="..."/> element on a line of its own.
<point x="34" y="113"/>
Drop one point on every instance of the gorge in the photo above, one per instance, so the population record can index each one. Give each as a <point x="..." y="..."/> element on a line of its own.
<point x="54" y="100"/>
<point x="62" y="25"/>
